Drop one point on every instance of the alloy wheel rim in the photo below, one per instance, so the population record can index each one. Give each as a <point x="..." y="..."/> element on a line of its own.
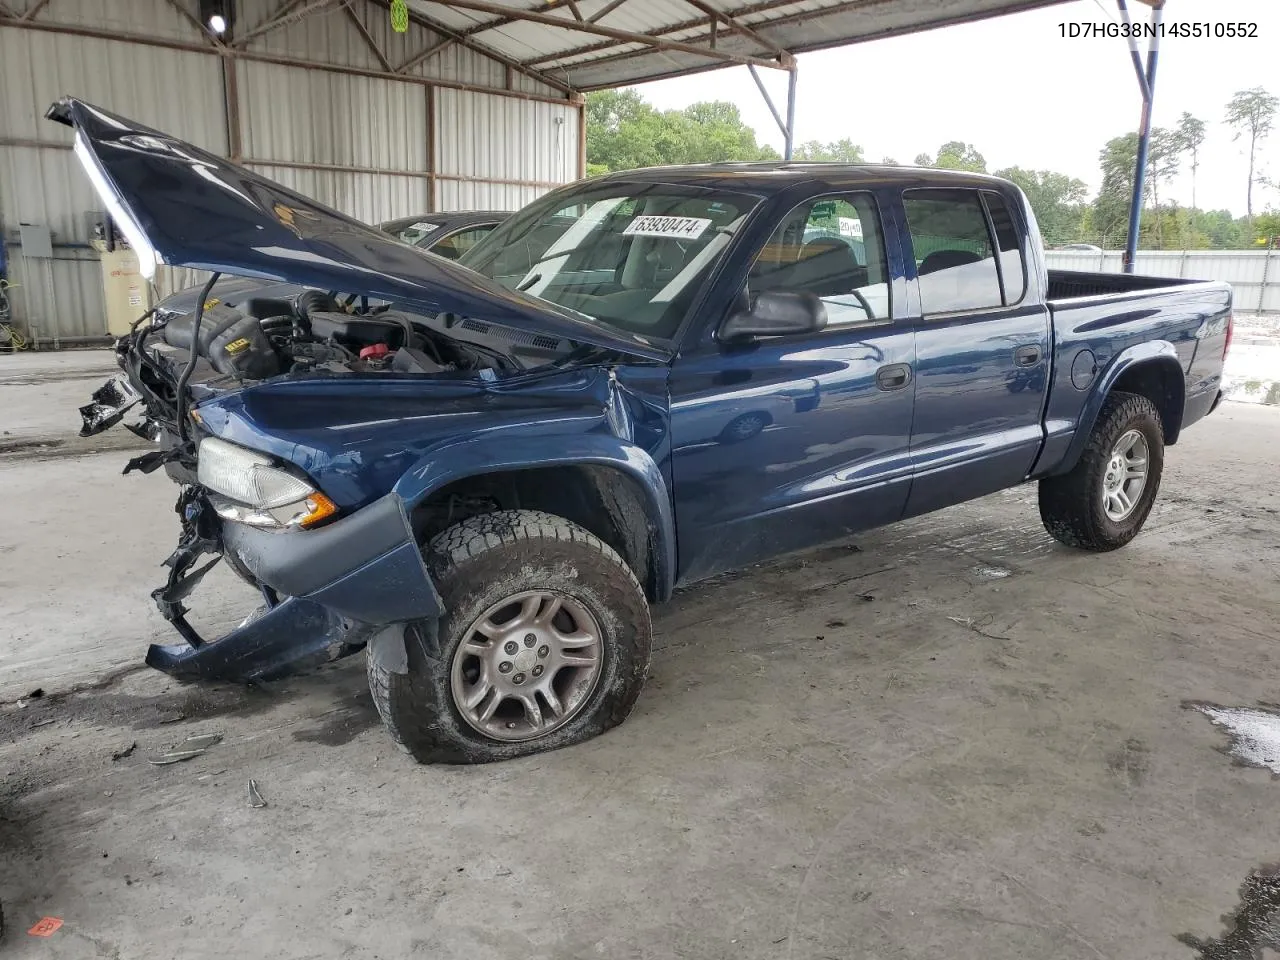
<point x="746" y="426"/>
<point x="1125" y="476"/>
<point x="526" y="666"/>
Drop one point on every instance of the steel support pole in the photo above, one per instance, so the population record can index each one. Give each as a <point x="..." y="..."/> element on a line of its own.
<point x="1147" y="84"/>
<point x="790" y="132"/>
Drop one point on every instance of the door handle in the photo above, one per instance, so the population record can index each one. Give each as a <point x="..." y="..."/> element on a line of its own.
<point x="1028" y="356"/>
<point x="895" y="376"/>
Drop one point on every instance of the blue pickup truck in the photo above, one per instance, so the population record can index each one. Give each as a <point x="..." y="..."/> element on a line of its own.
<point x="484" y="472"/>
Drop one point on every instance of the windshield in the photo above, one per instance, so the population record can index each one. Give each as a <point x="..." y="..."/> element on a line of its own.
<point x="411" y="230"/>
<point x="629" y="255"/>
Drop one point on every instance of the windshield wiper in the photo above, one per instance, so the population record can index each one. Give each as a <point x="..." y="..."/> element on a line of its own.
<point x="529" y="283"/>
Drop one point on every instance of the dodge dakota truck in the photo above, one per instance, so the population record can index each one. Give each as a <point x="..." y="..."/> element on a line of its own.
<point x="483" y="472"/>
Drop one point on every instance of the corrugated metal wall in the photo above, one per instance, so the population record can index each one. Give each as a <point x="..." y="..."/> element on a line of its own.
<point x="468" y="153"/>
<point x="1254" y="275"/>
<point x="356" y="142"/>
<point x="332" y="120"/>
<point x="40" y="180"/>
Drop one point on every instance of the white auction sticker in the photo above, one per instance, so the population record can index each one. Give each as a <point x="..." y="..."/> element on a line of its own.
<point x="682" y="228"/>
<point x="849" y="227"/>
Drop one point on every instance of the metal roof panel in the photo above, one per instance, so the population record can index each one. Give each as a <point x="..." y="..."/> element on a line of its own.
<point x="576" y="52"/>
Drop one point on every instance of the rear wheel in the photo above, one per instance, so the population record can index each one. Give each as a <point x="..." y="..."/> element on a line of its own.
<point x="1105" y="499"/>
<point x="545" y="642"/>
<point x="744" y="427"/>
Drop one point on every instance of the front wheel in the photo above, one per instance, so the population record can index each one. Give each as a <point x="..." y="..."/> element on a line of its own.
<point x="545" y="642"/>
<point x="1105" y="499"/>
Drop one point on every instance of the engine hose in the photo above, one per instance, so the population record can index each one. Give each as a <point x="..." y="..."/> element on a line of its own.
<point x="310" y="300"/>
<point x="193" y="355"/>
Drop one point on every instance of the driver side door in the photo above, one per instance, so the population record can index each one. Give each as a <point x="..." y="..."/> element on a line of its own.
<point x="787" y="441"/>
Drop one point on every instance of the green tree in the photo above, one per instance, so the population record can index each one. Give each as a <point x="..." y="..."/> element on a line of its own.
<point x="621" y="131"/>
<point x="624" y="132"/>
<point x="1266" y="227"/>
<point x="838" y="151"/>
<point x="1111" y="207"/>
<point x="955" y="155"/>
<point x="1163" y="159"/>
<point x="1252" y="113"/>
<point x="1056" y="199"/>
<point x="712" y="131"/>
<point x="1190" y="135"/>
<point x="1161" y="228"/>
<point x="1222" y="231"/>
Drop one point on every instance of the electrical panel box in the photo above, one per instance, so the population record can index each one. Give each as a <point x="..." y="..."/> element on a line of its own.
<point x="36" y="240"/>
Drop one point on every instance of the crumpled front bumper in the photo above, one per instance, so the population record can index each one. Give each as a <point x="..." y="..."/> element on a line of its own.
<point x="327" y="591"/>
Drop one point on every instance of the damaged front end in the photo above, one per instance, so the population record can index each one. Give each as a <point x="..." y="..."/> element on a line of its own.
<point x="328" y="584"/>
<point x="298" y="398"/>
<point x="325" y="593"/>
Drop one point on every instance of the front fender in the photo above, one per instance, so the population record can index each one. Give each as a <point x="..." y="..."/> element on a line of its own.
<point x="477" y="455"/>
<point x="1151" y="352"/>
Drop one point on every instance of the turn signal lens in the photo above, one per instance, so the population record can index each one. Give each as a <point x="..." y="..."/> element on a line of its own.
<point x="319" y="507"/>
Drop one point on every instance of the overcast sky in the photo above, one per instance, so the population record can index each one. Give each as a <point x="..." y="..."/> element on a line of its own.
<point x="1021" y="94"/>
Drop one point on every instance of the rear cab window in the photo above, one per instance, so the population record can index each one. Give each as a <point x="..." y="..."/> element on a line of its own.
<point x="967" y="250"/>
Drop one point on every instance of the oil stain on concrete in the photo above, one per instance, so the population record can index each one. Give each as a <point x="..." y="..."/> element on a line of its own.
<point x="1253" y="928"/>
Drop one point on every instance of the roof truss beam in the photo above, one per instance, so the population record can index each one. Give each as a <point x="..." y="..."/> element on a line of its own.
<point x="715" y="15"/>
<point x="691" y="24"/>
<point x="290" y="11"/>
<point x="34" y="11"/>
<point x="460" y="38"/>
<point x="616" y="36"/>
<point x="604" y="11"/>
<point x="367" y="37"/>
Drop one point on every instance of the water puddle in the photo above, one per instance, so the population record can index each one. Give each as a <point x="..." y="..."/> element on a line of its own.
<point x="1254" y="733"/>
<point x="1253" y="928"/>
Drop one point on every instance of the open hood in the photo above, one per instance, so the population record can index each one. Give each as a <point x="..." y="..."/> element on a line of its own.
<point x="183" y="206"/>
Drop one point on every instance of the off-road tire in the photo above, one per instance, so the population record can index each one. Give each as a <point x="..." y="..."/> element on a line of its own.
<point x="1071" y="506"/>
<point x="479" y="562"/>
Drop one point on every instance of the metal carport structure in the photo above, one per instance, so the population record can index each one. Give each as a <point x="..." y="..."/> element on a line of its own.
<point x="598" y="44"/>
<point x="495" y="80"/>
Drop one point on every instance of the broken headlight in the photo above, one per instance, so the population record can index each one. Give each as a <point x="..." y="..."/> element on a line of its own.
<point x="245" y="486"/>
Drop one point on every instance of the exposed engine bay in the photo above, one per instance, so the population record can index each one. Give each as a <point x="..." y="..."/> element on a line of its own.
<point x="262" y="338"/>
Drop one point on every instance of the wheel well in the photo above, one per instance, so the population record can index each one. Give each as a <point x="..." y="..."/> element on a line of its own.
<point x="604" y="500"/>
<point x="1160" y="382"/>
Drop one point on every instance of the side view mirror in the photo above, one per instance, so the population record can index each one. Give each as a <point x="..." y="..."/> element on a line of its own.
<point x="776" y="313"/>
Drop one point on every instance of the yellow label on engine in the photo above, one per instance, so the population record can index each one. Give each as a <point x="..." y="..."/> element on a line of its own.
<point x="238" y="346"/>
<point x="211" y="303"/>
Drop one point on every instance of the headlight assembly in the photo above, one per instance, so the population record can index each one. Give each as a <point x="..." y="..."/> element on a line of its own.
<point x="247" y="488"/>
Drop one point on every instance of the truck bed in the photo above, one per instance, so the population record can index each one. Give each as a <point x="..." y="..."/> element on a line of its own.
<point x="1071" y="284"/>
<point x="1099" y="318"/>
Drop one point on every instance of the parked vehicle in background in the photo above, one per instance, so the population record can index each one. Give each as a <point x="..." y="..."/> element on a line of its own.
<point x="486" y="474"/>
<point x="448" y="235"/>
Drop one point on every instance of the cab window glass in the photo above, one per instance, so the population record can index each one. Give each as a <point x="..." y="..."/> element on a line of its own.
<point x="453" y="247"/>
<point x="954" y="253"/>
<point x="831" y="247"/>
<point x="1013" y="273"/>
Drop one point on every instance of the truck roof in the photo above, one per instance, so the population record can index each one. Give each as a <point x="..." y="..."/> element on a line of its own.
<point x="769" y="177"/>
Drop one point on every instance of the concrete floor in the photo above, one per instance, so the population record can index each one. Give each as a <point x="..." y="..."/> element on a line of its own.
<point x="949" y="738"/>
